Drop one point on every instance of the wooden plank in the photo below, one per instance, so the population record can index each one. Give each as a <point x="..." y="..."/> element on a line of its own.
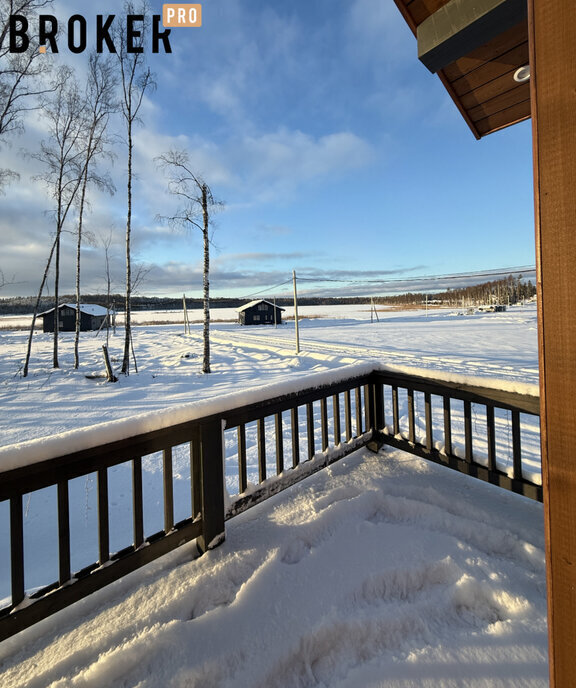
<point x="103" y="517"/>
<point x="395" y="412"/>
<point x="294" y="425"/>
<point x="17" y="549"/>
<point x="447" y="426"/>
<point x="505" y="118"/>
<point x="428" y="417"/>
<point x="468" y="450"/>
<point x="242" y="468"/>
<point x="63" y="533"/>
<point x="348" y="414"/>
<point x="336" y="413"/>
<point x="419" y="10"/>
<point x="261" y="444"/>
<point x="498" y="95"/>
<point x="279" y="443"/>
<point x="459" y="27"/>
<point x="310" y="429"/>
<point x="494" y="51"/>
<point x="553" y="62"/>
<point x="491" y="438"/>
<point x="514" y="96"/>
<point x="516" y="445"/>
<point x="411" y="419"/>
<point x="358" y="397"/>
<point x="168" y="489"/>
<point x="324" y="423"/>
<point x="137" y="502"/>
<point x="508" y="63"/>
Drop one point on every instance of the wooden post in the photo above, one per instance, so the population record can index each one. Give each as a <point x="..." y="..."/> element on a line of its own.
<point x="296" y="312"/>
<point x="553" y="103"/>
<point x="212" y="488"/>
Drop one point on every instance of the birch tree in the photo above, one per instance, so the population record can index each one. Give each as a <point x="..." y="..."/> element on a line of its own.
<point x="135" y="79"/>
<point x="63" y="158"/>
<point x="99" y="105"/>
<point x="196" y="206"/>
<point x="23" y="76"/>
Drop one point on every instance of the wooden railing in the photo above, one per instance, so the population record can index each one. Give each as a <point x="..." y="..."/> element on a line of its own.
<point x="258" y="449"/>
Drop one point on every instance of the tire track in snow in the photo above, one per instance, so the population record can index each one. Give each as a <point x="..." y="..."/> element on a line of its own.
<point x="351" y="353"/>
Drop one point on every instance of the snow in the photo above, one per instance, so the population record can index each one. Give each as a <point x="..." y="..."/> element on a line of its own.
<point x="88" y="308"/>
<point x="255" y="303"/>
<point x="382" y="570"/>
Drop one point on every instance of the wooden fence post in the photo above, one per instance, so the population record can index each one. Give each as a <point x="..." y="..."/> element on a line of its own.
<point x="212" y="485"/>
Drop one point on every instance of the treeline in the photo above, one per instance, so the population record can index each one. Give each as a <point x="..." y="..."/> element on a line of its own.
<point x="507" y="291"/>
<point x="22" y="305"/>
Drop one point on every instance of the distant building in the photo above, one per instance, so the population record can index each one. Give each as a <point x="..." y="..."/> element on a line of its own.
<point x="259" y="313"/>
<point x="92" y="317"/>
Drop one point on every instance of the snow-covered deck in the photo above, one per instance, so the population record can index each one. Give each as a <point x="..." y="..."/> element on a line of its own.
<point x="381" y="571"/>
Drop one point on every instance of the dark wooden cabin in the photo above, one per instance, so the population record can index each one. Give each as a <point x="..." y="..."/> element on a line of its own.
<point x="92" y="317"/>
<point x="260" y="313"/>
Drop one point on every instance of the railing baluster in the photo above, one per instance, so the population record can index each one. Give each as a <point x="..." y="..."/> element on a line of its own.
<point x="137" y="502"/>
<point x="261" y="441"/>
<point x="295" y="436"/>
<point x="324" y="423"/>
<point x="63" y="533"/>
<point x="103" y="517"/>
<point x="447" y="427"/>
<point x="195" y="472"/>
<point x="395" y="414"/>
<point x="310" y="429"/>
<point x="348" y="415"/>
<point x="336" y="412"/>
<point x="468" y="450"/>
<point x="411" y="419"/>
<point x="168" y="489"/>
<point x="279" y="443"/>
<point x="516" y="445"/>
<point x="491" y="438"/>
<point x="358" y="398"/>
<point x="242" y="468"/>
<point x="17" y="549"/>
<point x="368" y="402"/>
<point x="428" y="416"/>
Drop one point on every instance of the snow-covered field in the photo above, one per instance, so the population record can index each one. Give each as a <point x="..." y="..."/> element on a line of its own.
<point x="382" y="570"/>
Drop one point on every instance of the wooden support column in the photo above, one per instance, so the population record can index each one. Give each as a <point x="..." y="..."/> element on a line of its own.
<point x="553" y="94"/>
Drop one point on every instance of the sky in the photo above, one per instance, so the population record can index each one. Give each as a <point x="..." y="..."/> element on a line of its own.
<point x="335" y="153"/>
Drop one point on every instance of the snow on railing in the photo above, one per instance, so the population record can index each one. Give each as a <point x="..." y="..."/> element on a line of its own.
<point x="85" y="508"/>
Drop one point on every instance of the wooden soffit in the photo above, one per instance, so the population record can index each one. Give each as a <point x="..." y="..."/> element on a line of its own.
<point x="475" y="47"/>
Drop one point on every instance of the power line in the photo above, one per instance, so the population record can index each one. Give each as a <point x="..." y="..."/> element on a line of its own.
<point x="268" y="289"/>
<point x="453" y="276"/>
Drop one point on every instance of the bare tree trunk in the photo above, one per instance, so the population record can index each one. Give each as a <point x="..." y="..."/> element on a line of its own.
<point x="35" y="313"/>
<point x="127" y="313"/>
<point x="78" y="252"/>
<point x="56" y="296"/>
<point x="206" y="282"/>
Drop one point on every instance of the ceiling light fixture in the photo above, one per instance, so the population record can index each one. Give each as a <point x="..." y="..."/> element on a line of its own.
<point x="522" y="74"/>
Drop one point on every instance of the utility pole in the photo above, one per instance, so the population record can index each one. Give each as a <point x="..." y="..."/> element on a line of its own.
<point x="296" y="312"/>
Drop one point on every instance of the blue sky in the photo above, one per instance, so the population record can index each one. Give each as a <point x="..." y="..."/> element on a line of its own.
<point x="335" y="152"/>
